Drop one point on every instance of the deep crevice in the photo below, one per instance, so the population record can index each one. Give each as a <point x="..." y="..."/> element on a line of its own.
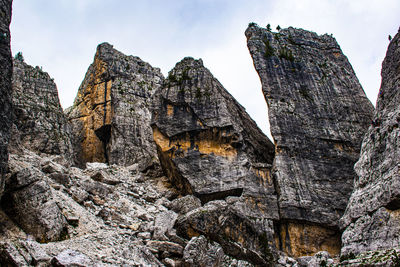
<point x="221" y="195"/>
<point x="104" y="134"/>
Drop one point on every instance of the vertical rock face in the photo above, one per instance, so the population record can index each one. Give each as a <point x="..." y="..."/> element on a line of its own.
<point x="318" y="115"/>
<point x="110" y="115"/>
<point x="373" y="213"/>
<point x="5" y="86"/>
<point x="39" y="119"/>
<point x="210" y="147"/>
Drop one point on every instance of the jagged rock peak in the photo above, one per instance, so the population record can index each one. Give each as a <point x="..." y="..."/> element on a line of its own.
<point x="5" y="86"/>
<point x="210" y="147"/>
<point x="318" y="114"/>
<point x="371" y="220"/>
<point x="111" y="116"/>
<point x="40" y="123"/>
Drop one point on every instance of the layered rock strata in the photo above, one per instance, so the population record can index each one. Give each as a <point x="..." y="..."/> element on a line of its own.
<point x="318" y="114"/>
<point x="371" y="220"/>
<point x="211" y="148"/>
<point x="5" y="86"/>
<point x="110" y="115"/>
<point x="41" y="125"/>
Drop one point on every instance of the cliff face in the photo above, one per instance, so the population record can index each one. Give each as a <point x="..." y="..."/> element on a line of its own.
<point x="372" y="215"/>
<point x="318" y="114"/>
<point x="110" y="115"/>
<point x="211" y="148"/>
<point x="5" y="86"/>
<point x="41" y="125"/>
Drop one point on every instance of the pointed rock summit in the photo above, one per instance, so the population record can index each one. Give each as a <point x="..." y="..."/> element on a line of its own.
<point x="210" y="147"/>
<point x="40" y="123"/>
<point x="110" y="115"/>
<point x="371" y="220"/>
<point x="318" y="114"/>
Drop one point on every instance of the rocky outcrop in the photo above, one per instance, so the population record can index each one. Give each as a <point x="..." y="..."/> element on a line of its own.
<point x="371" y="220"/>
<point x="29" y="201"/>
<point x="40" y="123"/>
<point x="5" y="86"/>
<point x="110" y="115"/>
<point x="318" y="114"/>
<point x="209" y="147"/>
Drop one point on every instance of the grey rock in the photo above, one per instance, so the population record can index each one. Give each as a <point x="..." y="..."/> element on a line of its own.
<point x="38" y="255"/>
<point x="322" y="258"/>
<point x="144" y="235"/>
<point x="202" y="252"/>
<point x="40" y="121"/>
<point x="29" y="202"/>
<point x="371" y="218"/>
<point x="78" y="194"/>
<point x="10" y="256"/>
<point x="172" y="263"/>
<point x="208" y="145"/>
<point x="111" y="116"/>
<point x="163" y="223"/>
<point x="103" y="177"/>
<point x="239" y="236"/>
<point x="318" y="114"/>
<point x="71" y="258"/>
<point x="185" y="204"/>
<point x="165" y="246"/>
<point x="5" y="87"/>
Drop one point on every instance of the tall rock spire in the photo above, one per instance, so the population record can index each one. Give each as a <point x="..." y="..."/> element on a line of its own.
<point x="318" y="114"/>
<point x="371" y="220"/>
<point x="110" y="115"/>
<point x="5" y="86"/>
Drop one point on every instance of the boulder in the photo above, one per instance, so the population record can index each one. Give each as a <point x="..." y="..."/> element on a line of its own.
<point x="203" y="253"/>
<point x="71" y="258"/>
<point x="28" y="200"/>
<point x="241" y="237"/>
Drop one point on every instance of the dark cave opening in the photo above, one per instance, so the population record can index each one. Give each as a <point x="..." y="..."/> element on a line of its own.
<point x="104" y="134"/>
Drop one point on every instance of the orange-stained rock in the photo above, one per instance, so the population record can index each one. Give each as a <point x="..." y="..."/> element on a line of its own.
<point x="111" y="113"/>
<point x="209" y="147"/>
<point x="299" y="239"/>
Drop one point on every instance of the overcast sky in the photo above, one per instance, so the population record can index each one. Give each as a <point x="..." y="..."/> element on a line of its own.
<point x="62" y="35"/>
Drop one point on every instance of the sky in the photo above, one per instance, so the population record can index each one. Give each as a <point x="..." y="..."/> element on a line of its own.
<point x="61" y="36"/>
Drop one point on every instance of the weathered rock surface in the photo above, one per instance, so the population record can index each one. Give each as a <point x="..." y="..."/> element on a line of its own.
<point x="371" y="220"/>
<point x="110" y="115"/>
<point x="318" y="115"/>
<point x="41" y="125"/>
<point x="242" y="237"/>
<point x="28" y="200"/>
<point x="202" y="252"/>
<point x="210" y="147"/>
<point x="5" y="86"/>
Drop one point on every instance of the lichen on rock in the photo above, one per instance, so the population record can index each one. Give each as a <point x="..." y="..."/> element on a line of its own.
<point x="318" y="114"/>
